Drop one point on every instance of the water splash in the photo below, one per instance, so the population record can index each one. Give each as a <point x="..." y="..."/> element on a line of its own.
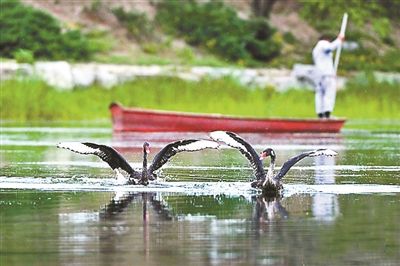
<point x="189" y="188"/>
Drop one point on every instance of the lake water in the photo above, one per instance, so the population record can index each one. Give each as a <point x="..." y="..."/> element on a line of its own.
<point x="58" y="207"/>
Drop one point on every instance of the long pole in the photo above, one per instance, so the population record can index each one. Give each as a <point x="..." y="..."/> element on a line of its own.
<point x="342" y="33"/>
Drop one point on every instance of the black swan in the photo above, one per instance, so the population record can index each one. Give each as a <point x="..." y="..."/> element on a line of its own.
<point x="270" y="184"/>
<point x="120" y="165"/>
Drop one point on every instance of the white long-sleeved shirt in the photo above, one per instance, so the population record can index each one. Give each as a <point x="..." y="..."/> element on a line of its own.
<point x="323" y="56"/>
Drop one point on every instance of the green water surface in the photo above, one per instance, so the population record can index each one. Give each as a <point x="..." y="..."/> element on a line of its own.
<point x="52" y="227"/>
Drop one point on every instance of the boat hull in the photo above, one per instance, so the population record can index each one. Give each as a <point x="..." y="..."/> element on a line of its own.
<point x="141" y="120"/>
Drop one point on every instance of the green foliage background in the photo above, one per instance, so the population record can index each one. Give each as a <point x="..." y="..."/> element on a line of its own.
<point x="137" y="24"/>
<point x="217" y="27"/>
<point x="29" y="29"/>
<point x="27" y="34"/>
<point x="370" y="21"/>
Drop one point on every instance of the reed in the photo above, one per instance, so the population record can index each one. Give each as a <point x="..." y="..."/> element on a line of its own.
<point x="26" y="100"/>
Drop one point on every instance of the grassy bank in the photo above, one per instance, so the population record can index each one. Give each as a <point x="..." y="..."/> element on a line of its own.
<point x="32" y="100"/>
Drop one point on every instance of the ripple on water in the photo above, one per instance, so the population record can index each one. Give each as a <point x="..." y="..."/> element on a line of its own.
<point x="190" y="188"/>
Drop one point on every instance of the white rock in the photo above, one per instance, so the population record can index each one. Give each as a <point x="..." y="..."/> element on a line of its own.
<point x="83" y="74"/>
<point x="188" y="76"/>
<point x="65" y="76"/>
<point x="57" y="74"/>
<point x="11" y="69"/>
<point x="391" y="77"/>
<point x="106" y="76"/>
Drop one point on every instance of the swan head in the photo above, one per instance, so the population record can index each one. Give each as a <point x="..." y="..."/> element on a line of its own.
<point x="146" y="148"/>
<point x="267" y="152"/>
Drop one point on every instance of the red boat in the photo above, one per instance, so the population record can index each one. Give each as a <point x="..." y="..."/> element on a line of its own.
<point x="142" y="120"/>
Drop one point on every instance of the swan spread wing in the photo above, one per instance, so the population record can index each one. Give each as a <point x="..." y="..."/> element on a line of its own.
<point x="292" y="161"/>
<point x="170" y="150"/>
<point x="233" y="140"/>
<point x="113" y="158"/>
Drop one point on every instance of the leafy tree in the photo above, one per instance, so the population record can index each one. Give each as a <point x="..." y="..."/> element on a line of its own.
<point x="23" y="27"/>
<point x="217" y="27"/>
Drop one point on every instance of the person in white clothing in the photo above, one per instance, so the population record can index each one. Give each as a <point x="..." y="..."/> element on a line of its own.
<point x="325" y="76"/>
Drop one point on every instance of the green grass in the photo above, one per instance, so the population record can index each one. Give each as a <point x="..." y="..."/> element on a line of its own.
<point x="29" y="100"/>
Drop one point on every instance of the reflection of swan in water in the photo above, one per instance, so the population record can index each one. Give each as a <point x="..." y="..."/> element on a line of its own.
<point x="325" y="207"/>
<point x="118" y="203"/>
<point x="268" y="182"/>
<point x="267" y="209"/>
<point x="122" y="231"/>
<point x="121" y="201"/>
<point x="267" y="220"/>
<point x="118" y="163"/>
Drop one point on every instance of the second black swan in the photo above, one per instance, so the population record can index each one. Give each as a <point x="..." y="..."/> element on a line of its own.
<point x="269" y="183"/>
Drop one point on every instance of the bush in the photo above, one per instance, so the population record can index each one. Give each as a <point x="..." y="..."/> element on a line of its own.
<point x="383" y="28"/>
<point x="369" y="60"/>
<point x="73" y="45"/>
<point x="100" y="41"/>
<point x="289" y="38"/>
<point x="23" y="27"/>
<point x="261" y="45"/>
<point x="186" y="54"/>
<point x="24" y="56"/>
<point x="150" y="48"/>
<point x="217" y="27"/>
<point x="136" y="23"/>
<point x="325" y="12"/>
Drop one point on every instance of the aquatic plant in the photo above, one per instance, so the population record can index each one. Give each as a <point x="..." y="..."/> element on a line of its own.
<point x="32" y="100"/>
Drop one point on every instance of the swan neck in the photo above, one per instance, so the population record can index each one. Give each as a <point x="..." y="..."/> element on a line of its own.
<point x="271" y="168"/>
<point x="272" y="164"/>
<point x="144" y="160"/>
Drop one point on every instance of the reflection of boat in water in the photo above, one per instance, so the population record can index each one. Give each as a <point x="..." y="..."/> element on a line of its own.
<point x="142" y="120"/>
<point x="281" y="142"/>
